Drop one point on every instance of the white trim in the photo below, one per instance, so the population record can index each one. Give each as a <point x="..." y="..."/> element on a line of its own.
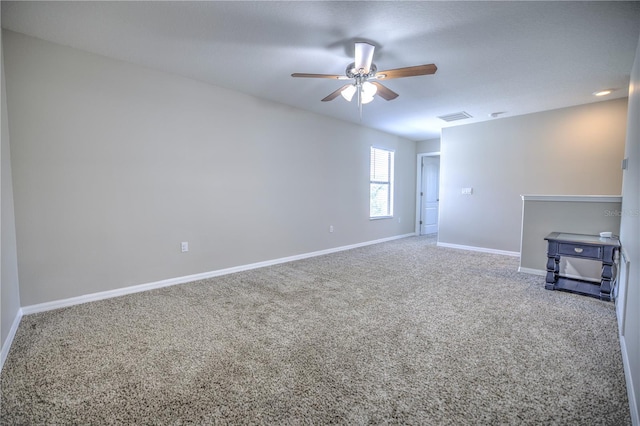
<point x="575" y="198"/>
<point x="621" y="314"/>
<point x="480" y="249"/>
<point x="532" y="271"/>
<point x="391" y="182"/>
<point x="380" y="217"/>
<point x="633" y="402"/>
<point x="522" y="227"/>
<point x="419" y="185"/>
<point x="63" y="303"/>
<point x="382" y="148"/>
<point x="9" y="340"/>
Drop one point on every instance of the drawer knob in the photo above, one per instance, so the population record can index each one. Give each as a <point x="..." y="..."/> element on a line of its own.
<point x="577" y="249"/>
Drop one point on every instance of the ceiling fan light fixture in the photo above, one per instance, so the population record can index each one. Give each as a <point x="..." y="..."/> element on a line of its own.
<point x="368" y="89"/>
<point x="366" y="99"/>
<point x="367" y="92"/>
<point x="361" y="71"/>
<point x="603" y="92"/>
<point x="348" y="92"/>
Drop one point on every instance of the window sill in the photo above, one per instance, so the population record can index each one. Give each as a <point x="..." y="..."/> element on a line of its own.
<point x="380" y="217"/>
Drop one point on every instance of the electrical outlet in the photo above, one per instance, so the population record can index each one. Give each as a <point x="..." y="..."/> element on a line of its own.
<point x="467" y="191"/>
<point x="330" y="228"/>
<point x="184" y="246"/>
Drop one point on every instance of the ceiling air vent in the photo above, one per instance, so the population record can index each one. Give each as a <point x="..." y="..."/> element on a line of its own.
<point x="455" y="116"/>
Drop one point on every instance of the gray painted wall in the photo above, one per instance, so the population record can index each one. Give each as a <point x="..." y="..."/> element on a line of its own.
<point x="114" y="165"/>
<point x="539" y="218"/>
<point x="630" y="239"/>
<point x="9" y="290"/>
<point x="427" y="146"/>
<point x="569" y="151"/>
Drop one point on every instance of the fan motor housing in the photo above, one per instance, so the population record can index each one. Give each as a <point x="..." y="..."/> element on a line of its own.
<point x="351" y="71"/>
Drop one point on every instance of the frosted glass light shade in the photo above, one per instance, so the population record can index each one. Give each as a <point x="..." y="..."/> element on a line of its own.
<point x="368" y="91"/>
<point x="366" y="99"/>
<point x="348" y="93"/>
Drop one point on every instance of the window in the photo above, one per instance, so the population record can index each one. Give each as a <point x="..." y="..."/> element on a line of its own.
<point x="381" y="183"/>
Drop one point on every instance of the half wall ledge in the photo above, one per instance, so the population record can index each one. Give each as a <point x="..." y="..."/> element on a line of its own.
<point x="578" y="214"/>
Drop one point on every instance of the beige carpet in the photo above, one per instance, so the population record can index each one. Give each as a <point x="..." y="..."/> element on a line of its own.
<point x="399" y="332"/>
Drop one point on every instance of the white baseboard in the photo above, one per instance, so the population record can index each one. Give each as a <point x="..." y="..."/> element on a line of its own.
<point x="6" y="345"/>
<point x="480" y="249"/>
<point x="63" y="303"/>
<point x="633" y="402"/>
<point x="531" y="271"/>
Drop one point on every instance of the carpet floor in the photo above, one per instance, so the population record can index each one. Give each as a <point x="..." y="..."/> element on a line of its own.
<point x="402" y="332"/>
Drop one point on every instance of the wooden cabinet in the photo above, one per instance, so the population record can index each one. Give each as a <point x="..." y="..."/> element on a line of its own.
<point x="582" y="246"/>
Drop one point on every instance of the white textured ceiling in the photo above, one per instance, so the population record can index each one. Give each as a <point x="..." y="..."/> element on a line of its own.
<point x="511" y="57"/>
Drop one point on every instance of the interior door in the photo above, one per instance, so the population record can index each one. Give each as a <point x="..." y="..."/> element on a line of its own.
<point x="430" y="195"/>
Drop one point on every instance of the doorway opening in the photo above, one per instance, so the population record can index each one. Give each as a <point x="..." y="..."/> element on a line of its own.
<point x="428" y="193"/>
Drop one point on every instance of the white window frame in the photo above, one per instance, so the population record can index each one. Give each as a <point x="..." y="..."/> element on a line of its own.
<point x="373" y="181"/>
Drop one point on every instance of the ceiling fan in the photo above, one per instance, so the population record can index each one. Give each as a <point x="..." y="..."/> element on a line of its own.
<point x="366" y="77"/>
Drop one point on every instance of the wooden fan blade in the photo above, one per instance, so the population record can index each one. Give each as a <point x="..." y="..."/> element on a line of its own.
<point x="407" y="72"/>
<point x="364" y="56"/>
<point x="384" y="92"/>
<point x="335" y="94"/>
<point x="300" y="74"/>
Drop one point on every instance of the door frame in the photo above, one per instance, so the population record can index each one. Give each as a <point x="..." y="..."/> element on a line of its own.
<point x="419" y="186"/>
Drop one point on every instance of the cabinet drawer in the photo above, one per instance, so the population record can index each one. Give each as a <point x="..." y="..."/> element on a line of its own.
<point x="580" y="250"/>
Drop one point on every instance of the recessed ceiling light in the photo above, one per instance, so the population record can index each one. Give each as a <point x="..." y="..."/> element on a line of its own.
<point x="604" y="92"/>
